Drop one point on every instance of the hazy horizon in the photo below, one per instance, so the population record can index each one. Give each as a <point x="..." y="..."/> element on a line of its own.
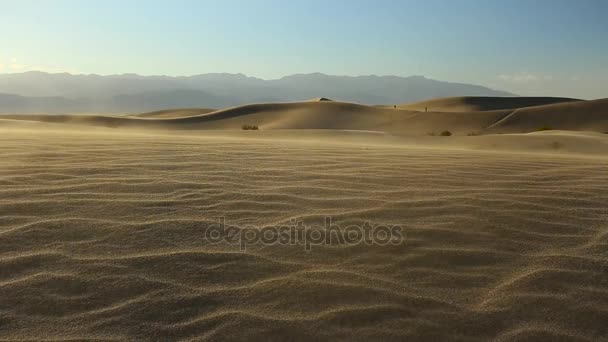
<point x="38" y="92"/>
<point x="541" y="48"/>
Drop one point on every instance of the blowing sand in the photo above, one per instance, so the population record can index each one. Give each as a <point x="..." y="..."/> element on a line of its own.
<point x="102" y="235"/>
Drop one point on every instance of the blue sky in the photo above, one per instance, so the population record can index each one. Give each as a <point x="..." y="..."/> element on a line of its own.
<point x="530" y="47"/>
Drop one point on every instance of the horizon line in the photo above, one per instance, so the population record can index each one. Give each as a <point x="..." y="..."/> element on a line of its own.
<point x="215" y="73"/>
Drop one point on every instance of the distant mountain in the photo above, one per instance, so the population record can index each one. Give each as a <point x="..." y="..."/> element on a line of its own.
<point x="10" y="103"/>
<point x="41" y="92"/>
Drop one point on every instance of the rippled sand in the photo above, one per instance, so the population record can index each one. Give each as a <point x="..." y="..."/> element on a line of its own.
<point x="101" y="236"/>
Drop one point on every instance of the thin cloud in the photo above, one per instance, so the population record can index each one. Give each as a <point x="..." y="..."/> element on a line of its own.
<point x="524" y="77"/>
<point x="18" y="67"/>
<point x="14" y="66"/>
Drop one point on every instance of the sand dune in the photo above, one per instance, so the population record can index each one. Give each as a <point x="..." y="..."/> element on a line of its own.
<point x="102" y="234"/>
<point x="582" y="115"/>
<point x="482" y="103"/>
<point x="174" y="113"/>
<point x="305" y="115"/>
<point x="574" y="115"/>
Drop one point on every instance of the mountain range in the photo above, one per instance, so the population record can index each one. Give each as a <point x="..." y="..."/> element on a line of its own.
<point x="40" y="92"/>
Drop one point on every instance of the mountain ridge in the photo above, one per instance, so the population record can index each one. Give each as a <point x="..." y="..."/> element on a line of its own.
<point x="133" y="93"/>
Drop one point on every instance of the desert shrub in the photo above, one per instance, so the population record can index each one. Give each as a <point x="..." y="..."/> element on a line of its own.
<point x="544" y="128"/>
<point x="556" y="145"/>
<point x="473" y="134"/>
<point x="445" y="133"/>
<point x="431" y="134"/>
<point x="250" y="127"/>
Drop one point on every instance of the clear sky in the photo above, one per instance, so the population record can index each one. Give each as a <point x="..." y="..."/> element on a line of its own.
<point x="530" y="47"/>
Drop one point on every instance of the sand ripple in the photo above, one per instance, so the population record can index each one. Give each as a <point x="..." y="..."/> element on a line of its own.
<point x="101" y="237"/>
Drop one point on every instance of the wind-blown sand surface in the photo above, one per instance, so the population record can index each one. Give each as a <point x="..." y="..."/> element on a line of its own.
<point x="102" y="235"/>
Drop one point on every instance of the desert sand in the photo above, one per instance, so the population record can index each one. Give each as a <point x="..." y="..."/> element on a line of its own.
<point x="173" y="113"/>
<point x="482" y="103"/>
<point x="104" y="222"/>
<point x="563" y="114"/>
